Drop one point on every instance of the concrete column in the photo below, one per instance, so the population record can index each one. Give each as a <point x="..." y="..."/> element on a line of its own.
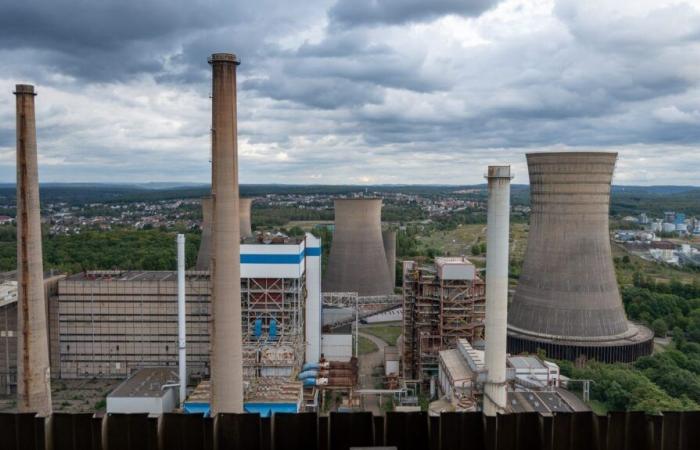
<point x="227" y="351"/>
<point x="33" y="370"/>
<point x="181" y="314"/>
<point x="313" y="298"/>
<point x="204" y="254"/>
<point x="389" y="239"/>
<point x="244" y="212"/>
<point x="497" y="237"/>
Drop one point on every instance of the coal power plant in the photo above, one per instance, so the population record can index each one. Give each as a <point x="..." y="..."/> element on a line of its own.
<point x="567" y="300"/>
<point x="357" y="260"/>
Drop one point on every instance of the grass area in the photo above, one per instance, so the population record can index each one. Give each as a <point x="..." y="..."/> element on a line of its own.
<point x="366" y="346"/>
<point x="387" y="333"/>
<point x="598" y="407"/>
<point x="661" y="272"/>
<point x="460" y="240"/>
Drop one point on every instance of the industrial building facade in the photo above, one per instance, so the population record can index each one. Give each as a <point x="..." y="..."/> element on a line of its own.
<point x="105" y="324"/>
<point x="441" y="304"/>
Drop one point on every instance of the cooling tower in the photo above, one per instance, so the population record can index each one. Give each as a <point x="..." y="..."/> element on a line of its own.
<point x="389" y="240"/>
<point x="244" y="213"/>
<point x="204" y="253"/>
<point x="226" y="339"/>
<point x="567" y="300"/>
<point x="33" y="370"/>
<point x="357" y="262"/>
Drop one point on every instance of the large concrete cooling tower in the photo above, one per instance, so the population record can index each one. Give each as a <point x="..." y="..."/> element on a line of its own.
<point x="226" y="339"/>
<point x="567" y="300"/>
<point x="389" y="240"/>
<point x="33" y="388"/>
<point x="357" y="262"/>
<point x="204" y="254"/>
<point x="244" y="206"/>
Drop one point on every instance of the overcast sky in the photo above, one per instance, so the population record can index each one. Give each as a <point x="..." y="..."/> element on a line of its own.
<point x="355" y="91"/>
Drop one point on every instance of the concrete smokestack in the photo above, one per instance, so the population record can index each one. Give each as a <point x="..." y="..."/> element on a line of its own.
<point x="33" y="370"/>
<point x="357" y="262"/>
<point x="244" y="213"/>
<point x="181" y="318"/>
<point x="204" y="253"/>
<point x="389" y="239"/>
<point x="497" y="237"/>
<point x="567" y="300"/>
<point x="227" y="350"/>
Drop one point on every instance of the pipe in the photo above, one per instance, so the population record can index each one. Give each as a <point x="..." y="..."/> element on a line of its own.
<point x="181" y="323"/>
<point x="226" y="342"/>
<point x="33" y="369"/>
<point x="497" y="236"/>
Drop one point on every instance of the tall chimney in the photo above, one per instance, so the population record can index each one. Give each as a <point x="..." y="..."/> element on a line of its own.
<point x="204" y="253"/>
<point x="227" y="352"/>
<point x="181" y="318"/>
<point x="33" y="372"/>
<point x="244" y="210"/>
<point x="389" y="239"/>
<point x="497" y="237"/>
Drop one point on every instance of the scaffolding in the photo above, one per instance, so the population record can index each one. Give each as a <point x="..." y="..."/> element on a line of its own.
<point x="273" y="325"/>
<point x="112" y="322"/>
<point x="437" y="312"/>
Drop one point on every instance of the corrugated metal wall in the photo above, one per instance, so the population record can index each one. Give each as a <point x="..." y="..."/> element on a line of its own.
<point x="308" y="431"/>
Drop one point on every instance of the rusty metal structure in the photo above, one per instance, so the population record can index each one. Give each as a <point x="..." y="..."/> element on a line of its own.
<point x="438" y="309"/>
<point x="567" y="300"/>
<point x="33" y="365"/>
<point x="227" y="348"/>
<point x="357" y="261"/>
<point x="389" y="240"/>
<point x="244" y="206"/>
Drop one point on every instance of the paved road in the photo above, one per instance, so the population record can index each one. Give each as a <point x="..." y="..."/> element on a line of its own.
<point x="368" y="362"/>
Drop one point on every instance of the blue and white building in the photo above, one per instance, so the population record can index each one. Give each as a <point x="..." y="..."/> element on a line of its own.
<point x="281" y="303"/>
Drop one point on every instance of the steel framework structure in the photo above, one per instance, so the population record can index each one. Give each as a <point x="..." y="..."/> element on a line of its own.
<point x="437" y="312"/>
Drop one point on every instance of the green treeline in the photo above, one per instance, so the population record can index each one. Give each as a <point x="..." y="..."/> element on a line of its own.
<point x="103" y="250"/>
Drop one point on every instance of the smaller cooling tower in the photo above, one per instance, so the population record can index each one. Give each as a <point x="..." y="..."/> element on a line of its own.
<point x="244" y="205"/>
<point x="389" y="239"/>
<point x="357" y="261"/>
<point x="204" y="254"/>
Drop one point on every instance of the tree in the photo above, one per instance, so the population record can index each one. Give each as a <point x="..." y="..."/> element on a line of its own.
<point x="660" y="327"/>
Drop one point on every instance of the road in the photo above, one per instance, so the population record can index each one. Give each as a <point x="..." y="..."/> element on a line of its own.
<point x="368" y="362"/>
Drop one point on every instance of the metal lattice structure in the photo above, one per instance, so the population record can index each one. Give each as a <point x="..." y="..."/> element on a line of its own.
<point x="436" y="313"/>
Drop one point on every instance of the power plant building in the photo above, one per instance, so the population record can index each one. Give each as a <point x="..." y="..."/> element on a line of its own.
<point x="357" y="260"/>
<point x="441" y="304"/>
<point x="567" y="300"/>
<point x="109" y="323"/>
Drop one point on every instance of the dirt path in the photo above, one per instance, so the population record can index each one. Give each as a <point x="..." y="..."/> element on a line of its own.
<point x="367" y="364"/>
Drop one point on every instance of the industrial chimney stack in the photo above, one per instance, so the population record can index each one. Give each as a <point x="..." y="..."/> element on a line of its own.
<point x="497" y="237"/>
<point x="244" y="211"/>
<point x="33" y="371"/>
<point x="227" y="351"/>
<point x="204" y="253"/>
<point x="389" y="239"/>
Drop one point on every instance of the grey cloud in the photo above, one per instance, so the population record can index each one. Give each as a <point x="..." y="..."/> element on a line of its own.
<point x="374" y="12"/>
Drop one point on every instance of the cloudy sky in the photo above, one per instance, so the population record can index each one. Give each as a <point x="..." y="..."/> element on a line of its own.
<point x="355" y="91"/>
